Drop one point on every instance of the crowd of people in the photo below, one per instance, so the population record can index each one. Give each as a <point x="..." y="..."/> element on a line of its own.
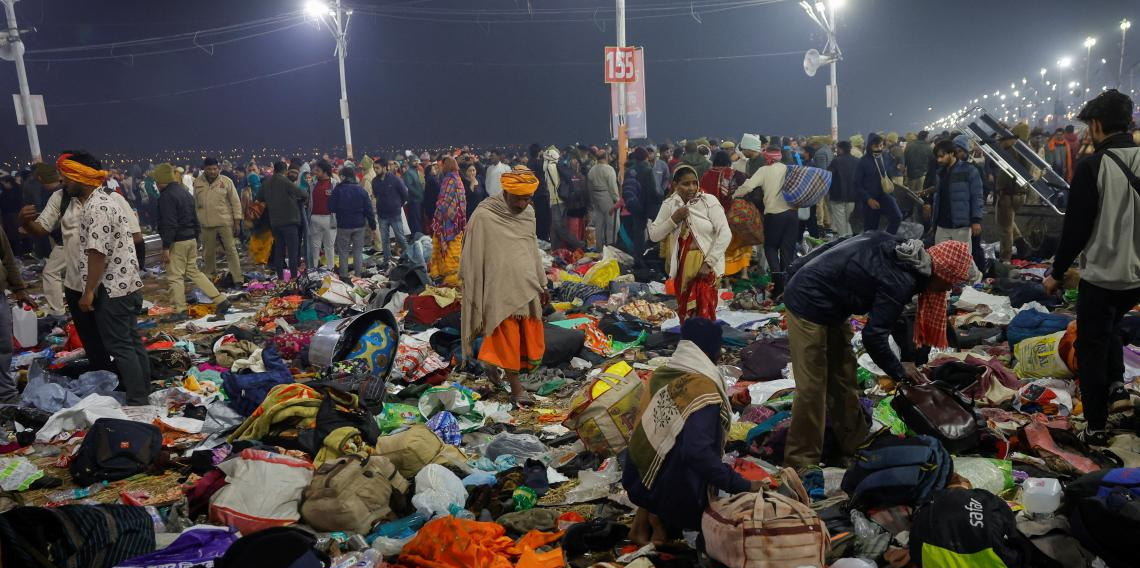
<point x="477" y="220"/>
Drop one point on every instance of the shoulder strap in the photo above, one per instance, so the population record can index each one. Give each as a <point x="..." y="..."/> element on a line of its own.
<point x="1128" y="173"/>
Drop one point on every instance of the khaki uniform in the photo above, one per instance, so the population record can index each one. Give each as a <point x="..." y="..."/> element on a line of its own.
<point x="183" y="264"/>
<point x="218" y="208"/>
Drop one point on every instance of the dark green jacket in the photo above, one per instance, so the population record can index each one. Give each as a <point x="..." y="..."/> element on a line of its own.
<point x="283" y="201"/>
<point x="916" y="158"/>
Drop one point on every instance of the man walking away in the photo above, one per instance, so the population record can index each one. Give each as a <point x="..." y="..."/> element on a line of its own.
<point x="414" y="181"/>
<point x="353" y="210"/>
<point x="282" y="200"/>
<point x="1102" y="225"/>
<point x="605" y="199"/>
<point x="178" y="227"/>
<point x="322" y="225"/>
<point x="391" y="195"/>
<point x="916" y="159"/>
<point x="219" y="213"/>
<point x="956" y="209"/>
<point x="842" y="197"/>
<point x="109" y="270"/>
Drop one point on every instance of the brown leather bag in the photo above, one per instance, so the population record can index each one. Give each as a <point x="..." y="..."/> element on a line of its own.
<point x="939" y="411"/>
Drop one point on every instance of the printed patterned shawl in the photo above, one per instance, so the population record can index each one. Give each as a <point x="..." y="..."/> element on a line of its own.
<point x="450" y="217"/>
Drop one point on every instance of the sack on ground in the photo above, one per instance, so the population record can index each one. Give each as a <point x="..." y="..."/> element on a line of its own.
<point x="603" y="413"/>
<point x="353" y="493"/>
<point x="764" y="530"/>
<point x="263" y="489"/>
<point x="413" y="449"/>
<point x="1040" y="357"/>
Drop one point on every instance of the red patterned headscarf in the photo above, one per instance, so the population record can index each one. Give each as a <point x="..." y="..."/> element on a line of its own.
<point x="950" y="261"/>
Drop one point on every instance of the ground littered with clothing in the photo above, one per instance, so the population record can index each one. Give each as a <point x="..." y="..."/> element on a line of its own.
<point x="1026" y="396"/>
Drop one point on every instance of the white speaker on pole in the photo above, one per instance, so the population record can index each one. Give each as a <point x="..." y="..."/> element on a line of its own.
<point x="812" y="61"/>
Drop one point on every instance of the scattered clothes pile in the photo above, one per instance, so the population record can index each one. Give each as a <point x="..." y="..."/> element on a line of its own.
<point x="330" y="422"/>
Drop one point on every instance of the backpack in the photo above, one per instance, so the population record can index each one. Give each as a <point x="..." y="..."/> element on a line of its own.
<point x="604" y="411"/>
<point x="897" y="471"/>
<point x="1102" y="482"/>
<point x="937" y="410"/>
<point x="115" y="449"/>
<point x="765" y="359"/>
<point x="353" y="493"/>
<point x="562" y="345"/>
<point x="247" y="391"/>
<point x="804" y="186"/>
<point x="971" y="527"/>
<point x="764" y="530"/>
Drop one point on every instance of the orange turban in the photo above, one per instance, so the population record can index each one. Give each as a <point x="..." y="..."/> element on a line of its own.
<point x="80" y="173"/>
<point x="519" y="181"/>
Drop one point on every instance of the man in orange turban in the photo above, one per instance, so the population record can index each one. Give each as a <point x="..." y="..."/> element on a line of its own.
<point x="504" y="284"/>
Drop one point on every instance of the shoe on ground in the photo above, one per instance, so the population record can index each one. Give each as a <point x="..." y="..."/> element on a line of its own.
<point x="222" y="308"/>
<point x="176" y="318"/>
<point x="1094" y="438"/>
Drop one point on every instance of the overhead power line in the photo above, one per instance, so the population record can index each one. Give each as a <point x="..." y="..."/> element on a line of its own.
<point x="557" y="15"/>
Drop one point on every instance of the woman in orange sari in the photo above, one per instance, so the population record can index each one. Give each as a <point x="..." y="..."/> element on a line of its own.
<point x="721" y="182"/>
<point x="447" y="224"/>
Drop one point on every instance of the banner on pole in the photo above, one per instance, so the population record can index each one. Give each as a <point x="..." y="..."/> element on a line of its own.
<point x="38" y="111"/>
<point x="635" y="117"/>
<point x="620" y="66"/>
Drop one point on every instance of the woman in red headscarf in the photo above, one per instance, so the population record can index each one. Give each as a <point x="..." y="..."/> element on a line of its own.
<point x="447" y="224"/>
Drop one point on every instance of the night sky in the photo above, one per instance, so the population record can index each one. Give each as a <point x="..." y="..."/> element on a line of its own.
<point x="444" y="74"/>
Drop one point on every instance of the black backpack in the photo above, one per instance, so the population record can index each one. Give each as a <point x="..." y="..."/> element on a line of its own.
<point x="115" y="449"/>
<point x="971" y="527"/>
<point x="890" y="470"/>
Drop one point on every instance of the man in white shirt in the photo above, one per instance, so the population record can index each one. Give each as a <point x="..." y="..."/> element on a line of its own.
<point x="495" y="172"/>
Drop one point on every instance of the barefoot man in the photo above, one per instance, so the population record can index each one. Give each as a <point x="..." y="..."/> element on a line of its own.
<point x="504" y="285"/>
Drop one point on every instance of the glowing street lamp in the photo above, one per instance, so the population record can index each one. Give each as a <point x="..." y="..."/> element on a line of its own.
<point x="337" y="20"/>
<point x="1089" y="43"/>
<point x="1124" y="25"/>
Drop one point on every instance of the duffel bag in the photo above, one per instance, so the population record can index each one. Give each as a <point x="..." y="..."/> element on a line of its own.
<point x="765" y="359"/>
<point x="892" y="471"/>
<point x="353" y="493"/>
<point x="603" y="413"/>
<point x="764" y="530"/>
<point x="971" y="527"/>
<point x="937" y="410"/>
<point x="804" y="186"/>
<point x="115" y="449"/>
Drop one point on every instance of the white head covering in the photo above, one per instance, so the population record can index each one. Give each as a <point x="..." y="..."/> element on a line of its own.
<point x="750" y="142"/>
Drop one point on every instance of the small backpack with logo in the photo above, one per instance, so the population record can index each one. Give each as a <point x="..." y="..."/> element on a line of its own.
<point x="971" y="527"/>
<point x="115" y="449"/>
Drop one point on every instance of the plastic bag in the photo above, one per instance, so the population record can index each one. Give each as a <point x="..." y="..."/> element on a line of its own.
<point x="522" y="446"/>
<point x="199" y="545"/>
<point x="885" y="414"/>
<point x="396" y="416"/>
<point x="451" y="399"/>
<point x="617" y="254"/>
<point x="18" y="474"/>
<point x="871" y="539"/>
<point x="995" y="476"/>
<point x="602" y="273"/>
<point x="1041" y="357"/>
<point x="337" y="292"/>
<point x="437" y="489"/>
<point x="390" y="546"/>
<point x="594" y="484"/>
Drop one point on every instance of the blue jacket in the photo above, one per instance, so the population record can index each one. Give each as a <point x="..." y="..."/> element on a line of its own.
<point x="867" y="184"/>
<point x="391" y="195"/>
<point x="856" y="275"/>
<point x="965" y="196"/>
<point x="352" y="206"/>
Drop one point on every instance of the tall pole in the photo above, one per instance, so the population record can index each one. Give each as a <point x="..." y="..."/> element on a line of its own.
<point x="620" y="9"/>
<point x="1088" y="62"/>
<point x="341" y="20"/>
<point x="834" y="88"/>
<point x="22" y="75"/>
<point x="1124" y="25"/>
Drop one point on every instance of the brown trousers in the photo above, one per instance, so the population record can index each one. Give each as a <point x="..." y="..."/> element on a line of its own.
<point x="824" y="370"/>
<point x="1006" y="212"/>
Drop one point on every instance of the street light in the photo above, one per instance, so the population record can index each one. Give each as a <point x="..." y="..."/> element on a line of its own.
<point x="337" y="20"/>
<point x="1089" y="43"/>
<point x="1124" y="25"/>
<point x="825" y="17"/>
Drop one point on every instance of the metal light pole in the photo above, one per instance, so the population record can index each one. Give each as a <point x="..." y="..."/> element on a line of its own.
<point x="337" y="20"/>
<point x="824" y="15"/>
<point x="1124" y="25"/>
<point x="1089" y="43"/>
<point x="619" y="8"/>
<point x="14" y="49"/>
<point x="1059" y="102"/>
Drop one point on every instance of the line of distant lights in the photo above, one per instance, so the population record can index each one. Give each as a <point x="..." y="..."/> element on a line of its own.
<point x="1024" y="102"/>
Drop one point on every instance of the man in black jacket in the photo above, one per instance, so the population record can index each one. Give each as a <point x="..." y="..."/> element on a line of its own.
<point x="843" y="196"/>
<point x="874" y="273"/>
<point x="178" y="227"/>
<point x="283" y="201"/>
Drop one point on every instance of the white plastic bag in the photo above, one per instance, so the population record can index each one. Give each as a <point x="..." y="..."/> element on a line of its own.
<point x="437" y="489"/>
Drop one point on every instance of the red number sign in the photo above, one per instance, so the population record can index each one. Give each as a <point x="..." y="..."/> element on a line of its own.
<point x="619" y="65"/>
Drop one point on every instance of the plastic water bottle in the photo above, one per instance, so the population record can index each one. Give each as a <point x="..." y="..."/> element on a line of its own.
<point x="286" y="275"/>
<point x="77" y="493"/>
<point x="24" y="326"/>
<point x="1042" y="495"/>
<point x="401" y="528"/>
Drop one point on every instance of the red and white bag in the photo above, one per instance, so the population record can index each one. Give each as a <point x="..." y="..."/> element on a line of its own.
<point x="764" y="530"/>
<point x="263" y="490"/>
